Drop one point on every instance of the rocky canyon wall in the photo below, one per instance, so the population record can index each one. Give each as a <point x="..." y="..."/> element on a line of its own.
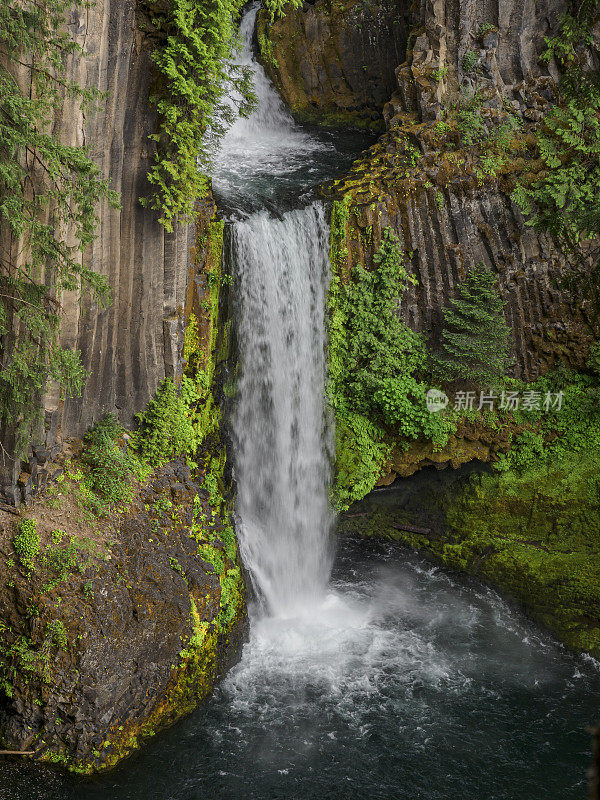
<point x="334" y="63"/>
<point x="129" y="347"/>
<point x="136" y="342"/>
<point x="449" y="209"/>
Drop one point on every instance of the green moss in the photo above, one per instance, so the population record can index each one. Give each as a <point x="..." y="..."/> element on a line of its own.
<point x="339" y="231"/>
<point x="196" y="669"/>
<point x="361" y="452"/>
<point x="534" y="537"/>
<point x="267" y="48"/>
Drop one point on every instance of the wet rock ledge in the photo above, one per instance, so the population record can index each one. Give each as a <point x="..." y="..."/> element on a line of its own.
<point x="108" y="635"/>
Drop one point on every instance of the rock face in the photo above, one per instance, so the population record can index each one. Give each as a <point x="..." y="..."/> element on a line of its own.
<point x="105" y="640"/>
<point x="129" y="347"/>
<point x="334" y="63"/>
<point x="507" y="36"/>
<point x="523" y="537"/>
<point x="136" y="342"/>
<point x="471" y="442"/>
<point x="449" y="210"/>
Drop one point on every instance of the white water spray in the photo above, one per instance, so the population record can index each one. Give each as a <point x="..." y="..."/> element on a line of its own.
<point x="282" y="464"/>
<point x="282" y="267"/>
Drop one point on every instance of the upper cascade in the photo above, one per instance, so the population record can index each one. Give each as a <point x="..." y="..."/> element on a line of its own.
<point x="268" y="161"/>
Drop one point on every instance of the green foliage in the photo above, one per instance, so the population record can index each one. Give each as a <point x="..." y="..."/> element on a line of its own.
<point x="277" y="8"/>
<point x="217" y="543"/>
<point x="593" y="362"/>
<point x="195" y="60"/>
<point x="574" y="30"/>
<point x="373" y="344"/>
<point x="493" y="138"/>
<point x="56" y="634"/>
<point x="48" y="199"/>
<point x="470" y="126"/>
<point x="374" y="366"/>
<point x="486" y="28"/>
<point x="361" y="451"/>
<point x="440" y="74"/>
<point x="165" y="429"/>
<point x="338" y="255"/>
<point x="267" y="48"/>
<point x="469" y="61"/>
<point x="211" y="484"/>
<point x="564" y="200"/>
<point x="61" y="558"/>
<point x="27" y="543"/>
<point x="475" y="342"/>
<point x="110" y="469"/>
<point x="403" y="403"/>
<point x="557" y="435"/>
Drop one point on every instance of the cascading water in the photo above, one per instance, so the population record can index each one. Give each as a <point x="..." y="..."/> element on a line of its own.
<point x="282" y="464"/>
<point x="267" y="161"/>
<point x="281" y="264"/>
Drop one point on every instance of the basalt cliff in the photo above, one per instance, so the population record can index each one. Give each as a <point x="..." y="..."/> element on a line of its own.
<point x="449" y="207"/>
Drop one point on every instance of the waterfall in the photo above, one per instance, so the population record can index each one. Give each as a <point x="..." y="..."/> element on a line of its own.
<point x="280" y="427"/>
<point x="280" y="261"/>
<point x="267" y="161"/>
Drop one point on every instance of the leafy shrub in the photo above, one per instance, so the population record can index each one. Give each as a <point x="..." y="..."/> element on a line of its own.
<point x="109" y="469"/>
<point x="374" y="376"/>
<point x="469" y="61"/>
<point x="27" y="543"/>
<point x="403" y="403"/>
<point x="165" y="429"/>
<point x="593" y="361"/>
<point x="563" y="199"/>
<point x="526" y="452"/>
<point x="196" y="64"/>
<point x="370" y="342"/>
<point x="470" y="125"/>
<point x="108" y="428"/>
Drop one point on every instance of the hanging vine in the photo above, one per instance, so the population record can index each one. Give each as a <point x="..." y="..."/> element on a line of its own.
<point x="196" y="73"/>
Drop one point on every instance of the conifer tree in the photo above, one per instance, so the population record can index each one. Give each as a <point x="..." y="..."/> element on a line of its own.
<point x="475" y="342"/>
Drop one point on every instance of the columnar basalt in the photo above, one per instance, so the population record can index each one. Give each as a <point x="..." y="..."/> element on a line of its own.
<point x="450" y="207"/>
<point x="130" y="346"/>
<point x="334" y="63"/>
<point x="451" y="210"/>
